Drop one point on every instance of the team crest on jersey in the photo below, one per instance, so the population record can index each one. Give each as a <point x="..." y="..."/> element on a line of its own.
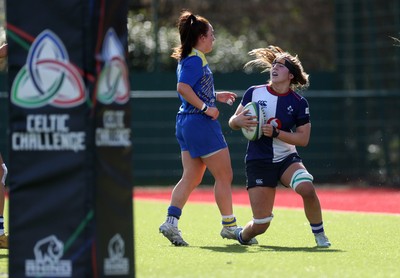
<point x="275" y="122"/>
<point x="290" y="110"/>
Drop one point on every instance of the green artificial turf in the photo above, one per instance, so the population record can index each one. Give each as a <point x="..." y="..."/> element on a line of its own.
<point x="363" y="245"/>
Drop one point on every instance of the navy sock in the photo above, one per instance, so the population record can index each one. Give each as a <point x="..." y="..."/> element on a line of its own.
<point x="317" y="228"/>
<point x="1" y="225"/>
<point x="240" y="239"/>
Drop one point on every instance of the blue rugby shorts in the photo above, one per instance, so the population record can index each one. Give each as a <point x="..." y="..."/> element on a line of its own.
<point x="199" y="134"/>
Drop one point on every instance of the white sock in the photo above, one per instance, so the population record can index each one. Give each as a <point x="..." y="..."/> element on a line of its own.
<point x="172" y="220"/>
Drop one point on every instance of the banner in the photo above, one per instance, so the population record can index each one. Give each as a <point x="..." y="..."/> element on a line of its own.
<point x="113" y="146"/>
<point x="70" y="209"/>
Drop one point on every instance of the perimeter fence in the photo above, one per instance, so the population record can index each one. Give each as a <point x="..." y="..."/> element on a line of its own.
<point x="355" y="138"/>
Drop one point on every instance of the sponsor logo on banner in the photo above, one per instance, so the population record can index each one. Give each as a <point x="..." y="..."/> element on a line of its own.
<point x="113" y="82"/>
<point x="113" y="87"/>
<point x="48" y="79"/>
<point x="113" y="133"/>
<point x="47" y="262"/>
<point x="48" y="132"/>
<point x="116" y="263"/>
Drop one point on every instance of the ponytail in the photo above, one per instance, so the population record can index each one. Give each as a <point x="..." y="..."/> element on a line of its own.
<point x="190" y="27"/>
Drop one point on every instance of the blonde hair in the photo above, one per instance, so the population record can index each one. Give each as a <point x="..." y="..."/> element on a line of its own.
<point x="264" y="57"/>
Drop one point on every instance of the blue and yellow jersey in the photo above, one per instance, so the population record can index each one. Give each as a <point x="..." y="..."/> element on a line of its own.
<point x="285" y="111"/>
<point x="194" y="71"/>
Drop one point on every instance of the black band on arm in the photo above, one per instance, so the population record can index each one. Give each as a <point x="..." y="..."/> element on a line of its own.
<point x="275" y="132"/>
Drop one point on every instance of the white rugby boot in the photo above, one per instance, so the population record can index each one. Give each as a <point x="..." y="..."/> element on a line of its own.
<point x="172" y="234"/>
<point x="322" y="240"/>
<point x="228" y="232"/>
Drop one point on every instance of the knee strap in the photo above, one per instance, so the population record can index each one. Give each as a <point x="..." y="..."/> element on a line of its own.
<point x="300" y="176"/>
<point x="5" y="171"/>
<point x="263" y="220"/>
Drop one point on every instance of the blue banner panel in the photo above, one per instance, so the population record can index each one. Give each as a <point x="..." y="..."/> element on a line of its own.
<point x="114" y="226"/>
<point x="62" y="54"/>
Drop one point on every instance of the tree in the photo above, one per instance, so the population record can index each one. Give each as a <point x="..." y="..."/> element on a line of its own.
<point x="300" y="27"/>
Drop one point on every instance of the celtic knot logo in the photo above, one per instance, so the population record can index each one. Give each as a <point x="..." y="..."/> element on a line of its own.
<point x="113" y="83"/>
<point x="48" y="78"/>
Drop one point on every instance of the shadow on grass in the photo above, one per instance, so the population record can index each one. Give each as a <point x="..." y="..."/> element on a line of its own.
<point x="267" y="248"/>
<point x="228" y="248"/>
<point x="298" y="249"/>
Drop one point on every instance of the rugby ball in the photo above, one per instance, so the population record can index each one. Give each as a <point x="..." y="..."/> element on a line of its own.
<point x="254" y="110"/>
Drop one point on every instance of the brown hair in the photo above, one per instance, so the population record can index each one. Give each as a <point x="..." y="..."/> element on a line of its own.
<point x="190" y="27"/>
<point x="264" y="57"/>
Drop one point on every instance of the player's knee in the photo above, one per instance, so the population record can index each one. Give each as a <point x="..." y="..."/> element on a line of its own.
<point x="260" y="225"/>
<point x="307" y="191"/>
<point x="299" y="177"/>
<point x="223" y="178"/>
<point x="190" y="182"/>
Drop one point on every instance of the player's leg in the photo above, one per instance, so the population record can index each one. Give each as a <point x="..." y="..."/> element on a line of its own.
<point x="261" y="180"/>
<point x="297" y="177"/>
<point x="302" y="185"/>
<point x="3" y="236"/>
<point x="219" y="164"/>
<point x="193" y="171"/>
<point x="3" y="176"/>
<point x="262" y="203"/>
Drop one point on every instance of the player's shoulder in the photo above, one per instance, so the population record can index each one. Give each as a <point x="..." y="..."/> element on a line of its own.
<point x="298" y="100"/>
<point x="191" y="60"/>
<point x="251" y="91"/>
<point x="197" y="56"/>
<point x="297" y="96"/>
<point x="253" y="88"/>
<point x="259" y="87"/>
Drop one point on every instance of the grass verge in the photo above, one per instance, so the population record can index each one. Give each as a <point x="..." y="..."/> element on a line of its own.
<point x="363" y="245"/>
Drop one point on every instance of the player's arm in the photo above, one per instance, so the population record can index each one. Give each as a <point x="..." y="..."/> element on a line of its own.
<point x="240" y="119"/>
<point x="300" y="137"/>
<point x="3" y="171"/>
<point x="190" y="96"/>
<point x="226" y="97"/>
<point x="3" y="50"/>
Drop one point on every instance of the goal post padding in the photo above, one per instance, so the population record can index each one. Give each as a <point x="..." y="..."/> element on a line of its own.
<point x="70" y="184"/>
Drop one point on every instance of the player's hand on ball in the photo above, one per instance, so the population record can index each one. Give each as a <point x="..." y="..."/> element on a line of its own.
<point x="268" y="130"/>
<point x="244" y="120"/>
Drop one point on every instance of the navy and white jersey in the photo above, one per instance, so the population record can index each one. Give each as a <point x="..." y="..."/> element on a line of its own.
<point x="285" y="111"/>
